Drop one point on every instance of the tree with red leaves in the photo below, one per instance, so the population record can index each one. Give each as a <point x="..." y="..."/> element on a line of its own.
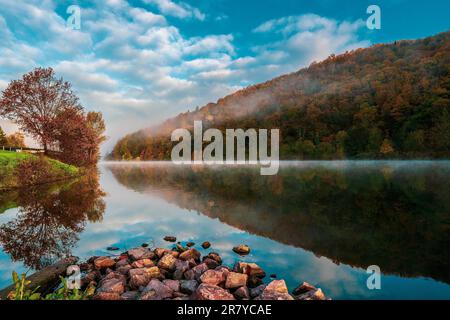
<point x="35" y="101"/>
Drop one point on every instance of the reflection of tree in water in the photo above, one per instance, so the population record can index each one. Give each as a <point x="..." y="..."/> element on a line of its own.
<point x="397" y="218"/>
<point x="49" y="220"/>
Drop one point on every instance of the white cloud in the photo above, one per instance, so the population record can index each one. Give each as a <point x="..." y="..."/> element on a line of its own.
<point x="179" y="10"/>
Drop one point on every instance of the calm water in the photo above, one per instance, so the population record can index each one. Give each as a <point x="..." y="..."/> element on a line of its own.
<point x="321" y="222"/>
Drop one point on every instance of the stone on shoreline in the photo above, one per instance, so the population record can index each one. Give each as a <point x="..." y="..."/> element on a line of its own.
<point x="206" y="245"/>
<point x="242" y="249"/>
<point x="210" y="292"/>
<point x="104" y="263"/>
<point x="163" y="274"/>
<point x="112" y="248"/>
<point x="170" y="238"/>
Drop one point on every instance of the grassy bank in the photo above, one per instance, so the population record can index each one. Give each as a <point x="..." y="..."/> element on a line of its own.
<point x="11" y="161"/>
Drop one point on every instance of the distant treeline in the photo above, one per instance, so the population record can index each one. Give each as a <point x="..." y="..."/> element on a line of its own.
<point x="387" y="101"/>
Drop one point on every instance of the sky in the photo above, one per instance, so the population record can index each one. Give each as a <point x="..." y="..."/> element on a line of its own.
<point x="140" y="62"/>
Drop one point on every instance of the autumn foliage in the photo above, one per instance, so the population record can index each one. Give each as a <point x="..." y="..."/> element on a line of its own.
<point x="46" y="108"/>
<point x="387" y="101"/>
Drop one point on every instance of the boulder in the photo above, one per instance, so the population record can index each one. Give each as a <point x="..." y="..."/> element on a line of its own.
<point x="253" y="281"/>
<point x="303" y="288"/>
<point x="276" y="286"/>
<point x="190" y="254"/>
<point x="213" y="277"/>
<point x="206" y="245"/>
<point x="130" y="295"/>
<point x="124" y="269"/>
<point x="170" y="238"/>
<point x="107" y="296"/>
<point x="251" y="269"/>
<point x="122" y="263"/>
<point x="188" y="286"/>
<point x="212" y="264"/>
<point x="254" y="292"/>
<point x="242" y="249"/>
<point x="274" y="295"/>
<point x="172" y="284"/>
<point x="190" y="244"/>
<point x="162" y="291"/>
<point x="113" y="285"/>
<point x="104" y="263"/>
<point x="159" y="252"/>
<point x="141" y="277"/>
<point x="242" y="293"/>
<point x="235" y="280"/>
<point x="210" y="292"/>
<point x="167" y="262"/>
<point x="140" y="253"/>
<point x="214" y="256"/>
<point x="143" y="263"/>
<point x="316" y="294"/>
<point x="199" y="270"/>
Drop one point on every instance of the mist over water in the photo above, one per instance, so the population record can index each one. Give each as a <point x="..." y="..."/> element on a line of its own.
<point x="321" y="222"/>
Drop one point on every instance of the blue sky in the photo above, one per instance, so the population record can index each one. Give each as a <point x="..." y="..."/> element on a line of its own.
<point x="141" y="61"/>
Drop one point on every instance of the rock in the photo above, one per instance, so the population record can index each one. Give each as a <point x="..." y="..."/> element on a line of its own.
<point x="188" y="286"/>
<point x="107" y="296"/>
<point x="242" y="293"/>
<point x="303" y="288"/>
<point x="213" y="277"/>
<point x="159" y="252"/>
<point x="251" y="269"/>
<point x="212" y="264"/>
<point x="140" y="253"/>
<point x="112" y="286"/>
<point x="273" y="275"/>
<point x="190" y="254"/>
<point x="277" y="286"/>
<point x="121" y="263"/>
<point x="172" y="284"/>
<point x="274" y="295"/>
<point x="235" y="280"/>
<point x="199" y="270"/>
<point x="124" y="269"/>
<point x="190" y="244"/>
<point x="144" y="245"/>
<point x="85" y="267"/>
<point x="210" y="292"/>
<point x="143" y="263"/>
<point x="214" y="256"/>
<point x="104" y="263"/>
<point x="253" y="281"/>
<point x="162" y="291"/>
<point x="181" y="267"/>
<point x="242" y="249"/>
<point x="112" y="248"/>
<point x="130" y="295"/>
<point x="141" y="277"/>
<point x="167" y="262"/>
<point x="254" y="292"/>
<point x="316" y="294"/>
<point x="150" y="295"/>
<point x="170" y="238"/>
<point x="206" y="245"/>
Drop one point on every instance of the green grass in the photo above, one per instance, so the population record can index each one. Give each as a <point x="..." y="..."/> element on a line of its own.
<point x="10" y="160"/>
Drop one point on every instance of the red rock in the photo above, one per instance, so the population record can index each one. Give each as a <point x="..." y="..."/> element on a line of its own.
<point x="235" y="280"/>
<point x="277" y="286"/>
<point x="316" y="294"/>
<point x="104" y="263"/>
<point x="161" y="251"/>
<point x="143" y="263"/>
<point x="170" y="238"/>
<point x="210" y="292"/>
<point x="190" y="254"/>
<point x="212" y="277"/>
<point x="172" y="284"/>
<point x="140" y="253"/>
<point x="141" y="277"/>
<point x="251" y="269"/>
<point x="303" y="288"/>
<point x="212" y="264"/>
<point x="242" y="249"/>
<point x="167" y="262"/>
<point x="162" y="291"/>
<point x="107" y="296"/>
<point x="199" y="270"/>
<point x="206" y="245"/>
<point x="214" y="256"/>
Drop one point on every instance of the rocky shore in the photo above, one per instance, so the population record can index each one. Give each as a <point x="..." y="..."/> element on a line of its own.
<point x="181" y="273"/>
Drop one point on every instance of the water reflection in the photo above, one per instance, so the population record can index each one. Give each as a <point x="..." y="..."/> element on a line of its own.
<point x="394" y="215"/>
<point x="50" y="219"/>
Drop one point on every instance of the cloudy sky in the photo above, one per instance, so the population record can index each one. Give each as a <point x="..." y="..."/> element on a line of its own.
<point x="142" y="61"/>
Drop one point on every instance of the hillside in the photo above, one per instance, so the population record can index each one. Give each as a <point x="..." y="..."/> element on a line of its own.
<point x="387" y="101"/>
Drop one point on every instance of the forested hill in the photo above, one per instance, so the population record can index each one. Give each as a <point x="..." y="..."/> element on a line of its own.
<point x="387" y="101"/>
